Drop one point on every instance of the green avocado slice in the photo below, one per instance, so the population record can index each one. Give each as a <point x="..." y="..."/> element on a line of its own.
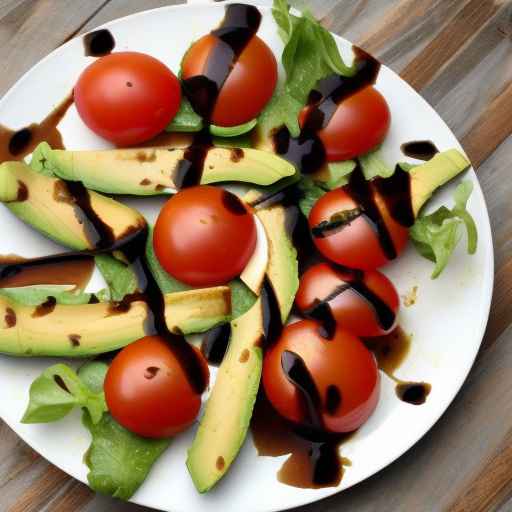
<point x="228" y="411"/>
<point x="43" y="202"/>
<point x="150" y="171"/>
<point x="224" y="425"/>
<point x="80" y="330"/>
<point x="429" y="176"/>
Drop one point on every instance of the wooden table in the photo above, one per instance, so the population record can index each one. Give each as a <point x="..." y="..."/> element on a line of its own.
<point x="458" y="55"/>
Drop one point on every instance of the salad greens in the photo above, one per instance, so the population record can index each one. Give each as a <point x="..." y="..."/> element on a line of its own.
<point x="37" y="294"/>
<point x="373" y="165"/>
<point x="186" y="120"/>
<point x="118" y="460"/>
<point x="120" y="277"/>
<point x="310" y="54"/>
<point x="436" y="235"/>
<point x="57" y="391"/>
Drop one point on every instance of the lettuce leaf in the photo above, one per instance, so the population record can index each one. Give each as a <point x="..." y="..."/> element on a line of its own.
<point x="186" y="119"/>
<point x="37" y="294"/>
<point x="57" y="391"/>
<point x="118" y="460"/>
<point x="373" y="165"/>
<point x="436" y="235"/>
<point x="310" y="54"/>
<point x="120" y="277"/>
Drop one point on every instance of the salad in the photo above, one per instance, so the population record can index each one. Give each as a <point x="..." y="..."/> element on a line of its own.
<point x="265" y="260"/>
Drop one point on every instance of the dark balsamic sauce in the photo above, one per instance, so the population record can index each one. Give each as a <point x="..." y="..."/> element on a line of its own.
<point x="363" y="194"/>
<point x="215" y="344"/>
<point x="98" y="43"/>
<point x="390" y="351"/>
<point x="69" y="268"/>
<point x="414" y="393"/>
<point x="189" y="170"/>
<point x="240" y="24"/>
<point x="420" y="149"/>
<point x="16" y="144"/>
<point x="396" y="192"/>
<point x="272" y="322"/>
<point x="45" y="308"/>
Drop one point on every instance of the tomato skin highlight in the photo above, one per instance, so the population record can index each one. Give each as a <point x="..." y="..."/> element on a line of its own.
<point x="360" y="123"/>
<point x="204" y="236"/>
<point x="342" y="361"/>
<point x="147" y="391"/>
<point x="350" y="310"/>
<point x="127" y="97"/>
<point x="249" y="86"/>
<point x="357" y="244"/>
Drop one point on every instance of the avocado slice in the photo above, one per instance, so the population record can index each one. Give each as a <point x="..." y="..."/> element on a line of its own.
<point x="198" y="310"/>
<point x="228" y="412"/>
<point x="428" y="177"/>
<point x="224" y="425"/>
<point x="150" y="171"/>
<point x="42" y="202"/>
<point x="283" y="267"/>
<point x="78" y="330"/>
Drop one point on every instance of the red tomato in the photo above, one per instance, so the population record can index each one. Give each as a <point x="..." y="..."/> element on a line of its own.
<point x="148" y="392"/>
<point x="127" y="97"/>
<point x="250" y="83"/>
<point x="204" y="236"/>
<point x="360" y="123"/>
<point x="342" y="363"/>
<point x="357" y="244"/>
<point x="367" y="309"/>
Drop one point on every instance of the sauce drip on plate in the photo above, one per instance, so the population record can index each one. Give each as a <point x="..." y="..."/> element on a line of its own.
<point x="98" y="43"/>
<point x="17" y="144"/>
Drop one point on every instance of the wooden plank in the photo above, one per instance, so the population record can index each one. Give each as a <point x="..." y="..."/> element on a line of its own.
<point x="31" y="29"/>
<point x="425" y="66"/>
<point x="492" y="485"/>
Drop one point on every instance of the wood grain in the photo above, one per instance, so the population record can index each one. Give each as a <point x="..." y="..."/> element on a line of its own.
<point x="458" y="53"/>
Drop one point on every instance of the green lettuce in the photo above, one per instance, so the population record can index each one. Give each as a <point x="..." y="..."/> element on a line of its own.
<point x="310" y="54"/>
<point x="118" y="460"/>
<point x="57" y="391"/>
<point x="186" y="119"/>
<point x="120" y="277"/>
<point x="436" y="235"/>
<point x="373" y="165"/>
<point x="35" y="295"/>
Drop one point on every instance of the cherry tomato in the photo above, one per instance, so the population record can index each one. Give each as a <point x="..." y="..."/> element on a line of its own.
<point x="148" y="392"/>
<point x="369" y="308"/>
<point x="357" y="244"/>
<point x="360" y="123"/>
<point x="127" y="97"/>
<point x="248" y="87"/>
<point x="343" y="369"/>
<point x="204" y="236"/>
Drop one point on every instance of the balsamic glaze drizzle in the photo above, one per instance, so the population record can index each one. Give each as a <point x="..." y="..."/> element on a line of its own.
<point x="189" y="170"/>
<point x="240" y="24"/>
<point x="98" y="43"/>
<point x="272" y="322"/>
<point x="215" y="343"/>
<point x="420" y="149"/>
<point x="362" y="192"/>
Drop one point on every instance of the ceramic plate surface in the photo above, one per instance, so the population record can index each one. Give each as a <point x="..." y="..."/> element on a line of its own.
<point x="447" y="321"/>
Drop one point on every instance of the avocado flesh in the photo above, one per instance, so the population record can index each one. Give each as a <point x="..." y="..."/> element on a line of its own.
<point x="428" y="177"/>
<point x="283" y="267"/>
<point x="150" y="171"/>
<point x="224" y="425"/>
<point x="198" y="310"/>
<point x="81" y="330"/>
<point x="228" y="412"/>
<point x="47" y="210"/>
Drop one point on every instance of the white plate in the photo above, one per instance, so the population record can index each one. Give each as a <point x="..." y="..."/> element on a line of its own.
<point x="447" y="322"/>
